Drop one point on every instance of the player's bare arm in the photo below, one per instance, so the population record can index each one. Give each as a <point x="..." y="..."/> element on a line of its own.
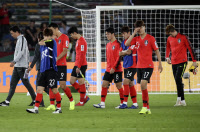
<point x="160" y="68"/>
<point x="128" y="42"/>
<point x="125" y="52"/>
<point x="62" y="54"/>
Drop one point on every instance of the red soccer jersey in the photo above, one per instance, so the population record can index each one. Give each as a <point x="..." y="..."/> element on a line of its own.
<point x="62" y="42"/>
<point x="112" y="56"/>
<point x="178" y="46"/>
<point x="144" y="51"/>
<point x="81" y="50"/>
<point x="4" y="20"/>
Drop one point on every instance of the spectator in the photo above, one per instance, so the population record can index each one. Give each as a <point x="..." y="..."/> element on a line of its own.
<point x="64" y="28"/>
<point x="43" y="26"/>
<point x="31" y="34"/>
<point x="4" y="20"/>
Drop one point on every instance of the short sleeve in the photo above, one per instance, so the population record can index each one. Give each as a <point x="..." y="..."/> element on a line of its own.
<point x="154" y="44"/>
<point x="133" y="42"/>
<point x="65" y="42"/>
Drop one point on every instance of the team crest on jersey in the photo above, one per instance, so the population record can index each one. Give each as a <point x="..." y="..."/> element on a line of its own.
<point x="146" y="42"/>
<point x="113" y="47"/>
<point x="179" y="41"/>
<point x="59" y="41"/>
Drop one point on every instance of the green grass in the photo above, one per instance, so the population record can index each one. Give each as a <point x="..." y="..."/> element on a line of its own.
<point x="165" y="117"/>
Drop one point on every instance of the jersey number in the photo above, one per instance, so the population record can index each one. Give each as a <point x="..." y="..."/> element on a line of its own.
<point x="146" y="74"/>
<point x="129" y="74"/>
<point x="52" y="82"/>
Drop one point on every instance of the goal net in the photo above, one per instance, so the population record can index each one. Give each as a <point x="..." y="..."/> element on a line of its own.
<point x="186" y="20"/>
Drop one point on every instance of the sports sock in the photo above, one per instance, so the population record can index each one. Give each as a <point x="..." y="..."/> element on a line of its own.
<point x="145" y="97"/>
<point x="38" y="99"/>
<point x="133" y="94"/>
<point x="51" y="97"/>
<point x="76" y="86"/>
<point x="126" y="93"/>
<point x="121" y="94"/>
<point x="68" y="93"/>
<point x="58" y="99"/>
<point x="103" y="94"/>
<point x="82" y="92"/>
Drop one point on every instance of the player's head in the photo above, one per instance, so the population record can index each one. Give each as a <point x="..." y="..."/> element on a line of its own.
<point x="40" y="36"/>
<point x="4" y="5"/>
<point x="110" y="33"/>
<point x="15" y="31"/>
<point x="73" y="32"/>
<point x="125" y="32"/>
<point x="140" y="24"/>
<point x="170" y="30"/>
<point x="47" y="33"/>
<point x="54" y="28"/>
<point x="63" y="23"/>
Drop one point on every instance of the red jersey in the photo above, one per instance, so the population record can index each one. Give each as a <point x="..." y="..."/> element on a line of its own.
<point x="81" y="50"/>
<point x="144" y="51"/>
<point x="4" y="20"/>
<point x="62" y="42"/>
<point x="112" y="56"/>
<point x="178" y="46"/>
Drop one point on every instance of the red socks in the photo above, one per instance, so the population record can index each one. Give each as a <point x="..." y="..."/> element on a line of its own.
<point x="121" y="94"/>
<point x="68" y="93"/>
<point x="76" y="86"/>
<point x="133" y="94"/>
<point x="38" y="99"/>
<point x="82" y="92"/>
<point x="145" y="97"/>
<point x="103" y="94"/>
<point x="126" y="92"/>
<point x="58" y="99"/>
<point x="51" y="96"/>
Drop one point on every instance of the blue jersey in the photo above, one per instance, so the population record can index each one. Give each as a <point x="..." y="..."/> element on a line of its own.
<point x="128" y="59"/>
<point x="48" y="55"/>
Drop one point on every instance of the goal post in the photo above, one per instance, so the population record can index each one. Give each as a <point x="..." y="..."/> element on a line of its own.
<point x="184" y="18"/>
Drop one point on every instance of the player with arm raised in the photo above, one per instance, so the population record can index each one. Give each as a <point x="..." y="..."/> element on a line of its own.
<point x="146" y="45"/>
<point x="113" y="70"/>
<point x="178" y="44"/>
<point x="129" y="64"/>
<point x="80" y="66"/>
<point x="48" y="71"/>
<point x="62" y="41"/>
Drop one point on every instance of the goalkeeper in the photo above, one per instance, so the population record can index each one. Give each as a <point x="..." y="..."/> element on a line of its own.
<point x="178" y="44"/>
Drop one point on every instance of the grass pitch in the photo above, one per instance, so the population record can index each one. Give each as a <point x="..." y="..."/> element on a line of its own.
<point x="165" y="117"/>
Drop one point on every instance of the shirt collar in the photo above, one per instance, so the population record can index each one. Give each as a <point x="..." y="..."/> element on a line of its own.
<point x="19" y="36"/>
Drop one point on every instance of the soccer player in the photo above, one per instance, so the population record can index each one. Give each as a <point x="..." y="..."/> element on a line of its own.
<point x="20" y="63"/>
<point x="113" y="69"/>
<point x="48" y="70"/>
<point x="146" y="44"/>
<point x="178" y="44"/>
<point x="80" y="66"/>
<point x="129" y="64"/>
<point x="62" y="41"/>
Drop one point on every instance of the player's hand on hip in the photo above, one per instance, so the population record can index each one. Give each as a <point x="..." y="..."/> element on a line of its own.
<point x="160" y="68"/>
<point x="112" y="71"/>
<point x="195" y="64"/>
<point x="169" y="61"/>
<point x="77" y="70"/>
<point x="12" y="64"/>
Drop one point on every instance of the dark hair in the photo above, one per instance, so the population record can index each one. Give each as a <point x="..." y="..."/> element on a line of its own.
<point x="40" y="36"/>
<point x="41" y="25"/>
<point x="54" y="25"/>
<point x="64" y="22"/>
<point x="110" y="30"/>
<point x="15" y="29"/>
<point x="169" y="28"/>
<point x="139" y="23"/>
<point x="125" y="29"/>
<point x="73" y="30"/>
<point x="32" y="21"/>
<point x="47" y="32"/>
